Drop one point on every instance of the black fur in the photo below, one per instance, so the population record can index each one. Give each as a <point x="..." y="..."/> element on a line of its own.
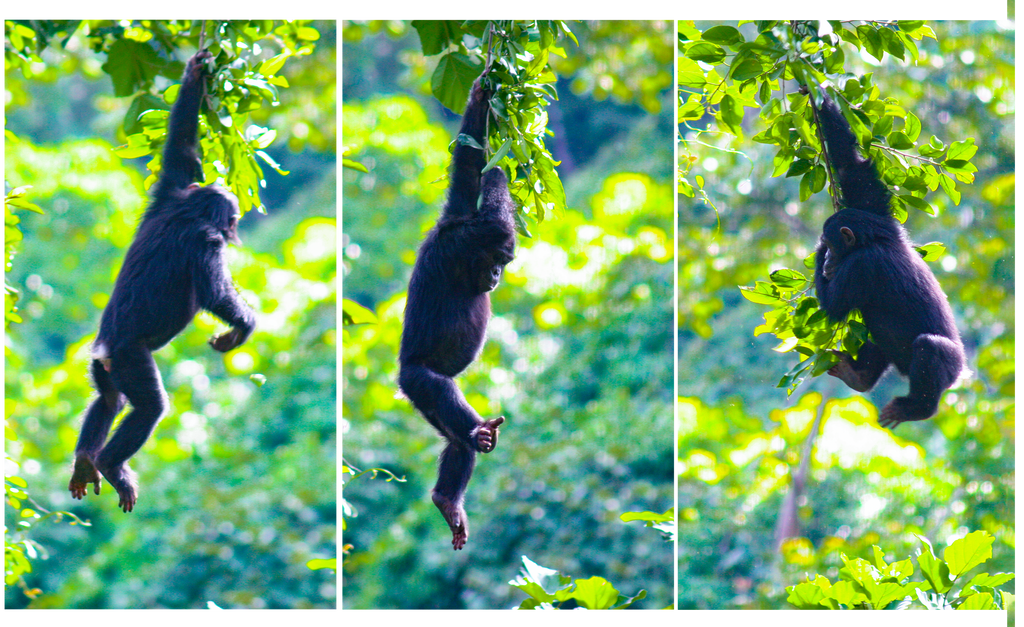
<point x="174" y="267"/>
<point x="460" y="261"/>
<point x="858" y="180"/>
<point x="865" y="261"/>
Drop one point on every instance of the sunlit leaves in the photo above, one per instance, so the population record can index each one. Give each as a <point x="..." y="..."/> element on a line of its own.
<point x="880" y="585"/>
<point x="797" y="320"/>
<point x="522" y="83"/>
<point x="354" y="313"/>
<point x="240" y="83"/>
<point x="719" y="68"/>
<point x="595" y="593"/>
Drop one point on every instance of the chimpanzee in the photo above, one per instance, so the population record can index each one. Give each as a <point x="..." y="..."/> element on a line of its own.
<point x="174" y="267"/>
<point x="460" y="261"/>
<point x="865" y="261"/>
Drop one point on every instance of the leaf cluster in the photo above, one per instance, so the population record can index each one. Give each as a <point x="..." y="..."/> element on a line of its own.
<point x="879" y="585"/>
<point x="514" y="54"/>
<point x="797" y="319"/>
<point x="245" y="77"/>
<point x="595" y="593"/>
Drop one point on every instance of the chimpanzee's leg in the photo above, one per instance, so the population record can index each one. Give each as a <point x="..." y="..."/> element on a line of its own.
<point x="442" y="403"/>
<point x="861" y="374"/>
<point x="135" y="374"/>
<point x="935" y="364"/>
<point x="449" y="494"/>
<point x="95" y="428"/>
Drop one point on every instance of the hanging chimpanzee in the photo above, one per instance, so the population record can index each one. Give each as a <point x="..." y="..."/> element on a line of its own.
<point x="865" y="261"/>
<point x="174" y="267"/>
<point x="459" y="262"/>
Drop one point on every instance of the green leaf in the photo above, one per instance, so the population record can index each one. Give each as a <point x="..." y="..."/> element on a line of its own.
<point x="934" y="570"/>
<point x="725" y="35"/>
<point x="498" y="156"/>
<point x="452" y="79"/>
<point x="706" y="52"/>
<point x="964" y="554"/>
<point x="354" y="313"/>
<point x="436" y="35"/>
<point x="595" y="593"/>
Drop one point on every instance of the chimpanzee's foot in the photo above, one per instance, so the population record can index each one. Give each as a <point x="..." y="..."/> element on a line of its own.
<point x="455" y="516"/>
<point x="83" y="474"/>
<point x="125" y="482"/>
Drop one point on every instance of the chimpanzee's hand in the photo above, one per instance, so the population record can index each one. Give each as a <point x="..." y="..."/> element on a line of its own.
<point x="196" y="67"/>
<point x="485" y="436"/>
<point x="478" y="93"/>
<point x="227" y="341"/>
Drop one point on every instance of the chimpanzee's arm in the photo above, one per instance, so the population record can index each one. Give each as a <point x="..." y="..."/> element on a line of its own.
<point x="467" y="161"/>
<point x="854" y="285"/>
<point x="858" y="180"/>
<point x="216" y="294"/>
<point x="181" y="163"/>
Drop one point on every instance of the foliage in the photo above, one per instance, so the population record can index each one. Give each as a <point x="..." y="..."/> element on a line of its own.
<point x="354" y="313"/>
<point x="749" y="76"/>
<point x="138" y="52"/>
<point x="665" y="522"/>
<point x="864" y="486"/>
<point x="14" y="200"/>
<point x="595" y="593"/>
<point x="619" y="60"/>
<point x="514" y="55"/>
<point x="349" y="474"/>
<point x="20" y="548"/>
<point x="879" y="585"/>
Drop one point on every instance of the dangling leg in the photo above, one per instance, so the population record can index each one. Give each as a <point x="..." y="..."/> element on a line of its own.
<point x="860" y="374"/>
<point x="442" y="403"/>
<point x="935" y="364"/>
<point x="449" y="494"/>
<point x="453" y="474"/>
<point x="136" y="375"/>
<point x="95" y="428"/>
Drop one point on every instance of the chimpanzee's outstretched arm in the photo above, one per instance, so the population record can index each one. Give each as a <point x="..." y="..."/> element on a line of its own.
<point x="467" y="161"/>
<point x="858" y="179"/>
<point x="181" y="163"/>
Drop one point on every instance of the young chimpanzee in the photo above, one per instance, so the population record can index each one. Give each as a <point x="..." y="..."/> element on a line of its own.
<point x="174" y="267"/>
<point x="865" y="261"/>
<point x="448" y="306"/>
